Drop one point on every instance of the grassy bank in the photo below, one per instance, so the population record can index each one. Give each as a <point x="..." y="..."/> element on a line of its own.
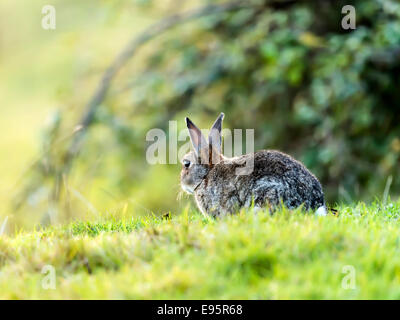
<point x="289" y="255"/>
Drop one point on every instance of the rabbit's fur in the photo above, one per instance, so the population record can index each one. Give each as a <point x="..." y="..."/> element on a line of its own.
<point x="221" y="186"/>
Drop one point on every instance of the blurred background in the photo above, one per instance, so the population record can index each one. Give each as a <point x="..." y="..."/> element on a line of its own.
<point x="74" y="137"/>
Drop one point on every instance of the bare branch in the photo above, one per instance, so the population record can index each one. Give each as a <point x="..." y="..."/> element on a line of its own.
<point x="127" y="54"/>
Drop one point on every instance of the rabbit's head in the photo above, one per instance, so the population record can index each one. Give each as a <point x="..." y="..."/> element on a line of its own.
<point x="196" y="164"/>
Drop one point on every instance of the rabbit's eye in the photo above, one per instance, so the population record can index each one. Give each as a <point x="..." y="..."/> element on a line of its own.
<point x="186" y="163"/>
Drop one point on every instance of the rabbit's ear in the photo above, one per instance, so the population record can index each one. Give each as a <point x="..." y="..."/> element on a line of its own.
<point x="199" y="143"/>
<point x="215" y="139"/>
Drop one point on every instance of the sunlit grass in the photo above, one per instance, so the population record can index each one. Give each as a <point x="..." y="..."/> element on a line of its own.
<point x="289" y="255"/>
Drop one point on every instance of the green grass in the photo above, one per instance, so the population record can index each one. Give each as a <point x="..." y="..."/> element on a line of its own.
<point x="291" y="255"/>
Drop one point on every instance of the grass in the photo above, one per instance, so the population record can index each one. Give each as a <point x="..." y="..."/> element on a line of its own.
<point x="290" y="255"/>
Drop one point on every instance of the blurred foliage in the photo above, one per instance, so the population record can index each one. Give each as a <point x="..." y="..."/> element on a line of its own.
<point x="328" y="96"/>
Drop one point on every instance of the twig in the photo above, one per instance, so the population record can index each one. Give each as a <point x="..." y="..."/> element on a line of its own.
<point x="3" y="226"/>
<point x="387" y="189"/>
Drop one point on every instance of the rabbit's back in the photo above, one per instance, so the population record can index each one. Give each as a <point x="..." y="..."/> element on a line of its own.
<point x="278" y="176"/>
<point x="275" y="177"/>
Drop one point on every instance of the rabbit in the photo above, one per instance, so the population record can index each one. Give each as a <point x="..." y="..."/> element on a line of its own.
<point x="220" y="188"/>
